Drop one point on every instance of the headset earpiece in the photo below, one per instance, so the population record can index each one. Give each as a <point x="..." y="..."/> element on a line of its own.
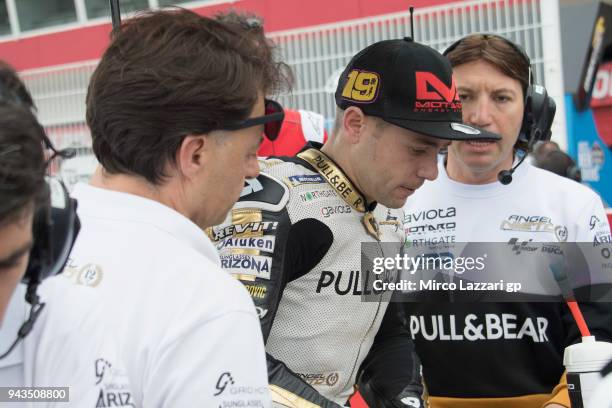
<point x="55" y="229"/>
<point x="538" y="116"/>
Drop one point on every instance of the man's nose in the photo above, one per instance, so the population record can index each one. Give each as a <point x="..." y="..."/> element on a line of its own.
<point x="478" y="112"/>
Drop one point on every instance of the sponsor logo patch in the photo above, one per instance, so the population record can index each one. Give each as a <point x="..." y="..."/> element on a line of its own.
<point x="491" y="326"/>
<point x="305" y="179"/>
<point x="602" y="238"/>
<point x="329" y="211"/>
<point x="528" y="223"/>
<point x="249" y="265"/>
<point x="593" y="222"/>
<point x="391" y="220"/>
<point x="433" y="95"/>
<point x="223" y="382"/>
<point x="522" y="246"/>
<point x="320" y="379"/>
<point x="90" y="275"/>
<point x="265" y="243"/>
<point x="431" y="214"/>
<point x="231" y="393"/>
<point x="261" y="312"/>
<point x="251" y="186"/>
<point x="113" y="384"/>
<point x="346" y="283"/>
<point x="257" y="291"/>
<point x="561" y="233"/>
<point x="248" y="229"/>
<point x="361" y="86"/>
<point x="431" y="228"/>
<point x="317" y="194"/>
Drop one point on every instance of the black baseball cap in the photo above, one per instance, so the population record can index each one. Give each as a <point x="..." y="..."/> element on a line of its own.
<point x="409" y="85"/>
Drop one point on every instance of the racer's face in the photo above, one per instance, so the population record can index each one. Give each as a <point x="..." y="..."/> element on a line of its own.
<point x="494" y="102"/>
<point x="396" y="162"/>
<point x="15" y="244"/>
<point x="234" y="158"/>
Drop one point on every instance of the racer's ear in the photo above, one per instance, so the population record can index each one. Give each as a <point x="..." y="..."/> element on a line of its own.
<point x="353" y="123"/>
<point x="193" y="154"/>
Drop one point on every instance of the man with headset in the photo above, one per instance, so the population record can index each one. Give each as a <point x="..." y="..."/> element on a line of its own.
<point x="499" y="354"/>
<point x="39" y="346"/>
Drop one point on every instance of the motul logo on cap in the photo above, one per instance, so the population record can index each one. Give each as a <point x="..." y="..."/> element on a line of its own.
<point x="432" y="95"/>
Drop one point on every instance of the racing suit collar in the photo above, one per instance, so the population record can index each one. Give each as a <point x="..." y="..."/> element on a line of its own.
<point x="343" y="186"/>
<point x="317" y="146"/>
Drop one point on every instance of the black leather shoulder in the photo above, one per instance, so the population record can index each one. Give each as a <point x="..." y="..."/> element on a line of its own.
<point x="264" y="192"/>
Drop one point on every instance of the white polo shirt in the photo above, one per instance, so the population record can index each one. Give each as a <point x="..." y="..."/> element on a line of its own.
<point x="69" y="346"/>
<point x="188" y="331"/>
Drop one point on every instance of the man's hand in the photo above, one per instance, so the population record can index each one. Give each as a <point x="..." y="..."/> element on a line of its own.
<point x="554" y="406"/>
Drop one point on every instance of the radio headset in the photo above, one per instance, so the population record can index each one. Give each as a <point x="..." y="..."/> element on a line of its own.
<point x="538" y="114"/>
<point x="54" y="230"/>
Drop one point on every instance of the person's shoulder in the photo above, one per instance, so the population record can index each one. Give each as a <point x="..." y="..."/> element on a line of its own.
<point x="556" y="184"/>
<point x="68" y="306"/>
<point x="205" y="285"/>
<point x="271" y="189"/>
<point x="285" y="166"/>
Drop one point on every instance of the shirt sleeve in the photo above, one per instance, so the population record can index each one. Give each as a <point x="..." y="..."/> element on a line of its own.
<point x="219" y="363"/>
<point x="592" y="224"/>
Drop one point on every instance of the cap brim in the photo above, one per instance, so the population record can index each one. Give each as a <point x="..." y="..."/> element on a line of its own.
<point x="445" y="130"/>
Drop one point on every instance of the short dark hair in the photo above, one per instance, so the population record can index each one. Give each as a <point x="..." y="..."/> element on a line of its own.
<point x="12" y="89"/>
<point x="22" y="162"/>
<point x="559" y="163"/>
<point x="253" y="27"/>
<point x="541" y="149"/>
<point x="495" y="50"/>
<point x="165" y="75"/>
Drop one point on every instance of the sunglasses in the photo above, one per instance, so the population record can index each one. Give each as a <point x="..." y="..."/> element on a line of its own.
<point x="272" y="120"/>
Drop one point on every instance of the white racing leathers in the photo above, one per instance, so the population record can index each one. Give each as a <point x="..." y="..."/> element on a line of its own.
<point x="294" y="240"/>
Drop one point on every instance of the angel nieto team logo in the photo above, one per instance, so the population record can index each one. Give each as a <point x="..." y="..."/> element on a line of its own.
<point x="361" y="86"/>
<point x="433" y="95"/>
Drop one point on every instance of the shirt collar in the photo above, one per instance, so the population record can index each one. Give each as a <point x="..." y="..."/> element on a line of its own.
<point x="102" y="203"/>
<point x="476" y="191"/>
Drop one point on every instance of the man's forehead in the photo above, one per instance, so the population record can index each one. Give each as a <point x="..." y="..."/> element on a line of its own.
<point x="489" y="87"/>
<point x="473" y="82"/>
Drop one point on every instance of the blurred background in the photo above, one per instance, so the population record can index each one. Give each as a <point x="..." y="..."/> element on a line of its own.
<point x="55" y="46"/>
